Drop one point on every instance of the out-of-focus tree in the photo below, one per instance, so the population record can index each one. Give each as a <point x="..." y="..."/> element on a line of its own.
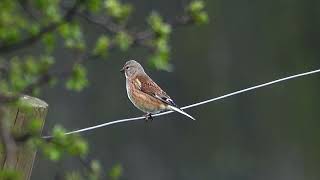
<point x="45" y="23"/>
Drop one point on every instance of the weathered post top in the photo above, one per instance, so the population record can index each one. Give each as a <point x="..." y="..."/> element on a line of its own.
<point x="18" y="120"/>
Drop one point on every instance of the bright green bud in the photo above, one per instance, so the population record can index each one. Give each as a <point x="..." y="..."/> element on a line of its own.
<point x="196" y="6"/>
<point x="78" y="79"/>
<point x="101" y="47"/>
<point x="124" y="40"/>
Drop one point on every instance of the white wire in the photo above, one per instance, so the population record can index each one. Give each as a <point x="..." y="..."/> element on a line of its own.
<point x="192" y="105"/>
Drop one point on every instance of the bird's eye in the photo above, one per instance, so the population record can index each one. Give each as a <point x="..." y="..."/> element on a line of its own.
<point x="127" y="67"/>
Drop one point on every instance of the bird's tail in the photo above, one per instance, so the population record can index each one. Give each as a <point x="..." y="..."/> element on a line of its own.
<point x="180" y="111"/>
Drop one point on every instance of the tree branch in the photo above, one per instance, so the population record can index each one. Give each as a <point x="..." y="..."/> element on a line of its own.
<point x="7" y="98"/>
<point x="105" y="23"/>
<point x="6" y="48"/>
<point x="139" y="39"/>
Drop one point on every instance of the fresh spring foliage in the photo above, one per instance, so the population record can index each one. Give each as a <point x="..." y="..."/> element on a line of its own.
<point x="31" y="32"/>
<point x="78" y="79"/>
<point x="162" y="30"/>
<point x="196" y="10"/>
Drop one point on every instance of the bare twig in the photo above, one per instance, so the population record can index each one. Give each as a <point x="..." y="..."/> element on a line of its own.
<point x="86" y="163"/>
<point x="139" y="38"/>
<point x="103" y="22"/>
<point x="181" y="20"/>
<point x="4" y="99"/>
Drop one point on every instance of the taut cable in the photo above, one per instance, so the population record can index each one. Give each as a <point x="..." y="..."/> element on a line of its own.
<point x="192" y="105"/>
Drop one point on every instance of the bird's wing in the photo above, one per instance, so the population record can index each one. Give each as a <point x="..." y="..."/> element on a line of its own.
<point x="148" y="86"/>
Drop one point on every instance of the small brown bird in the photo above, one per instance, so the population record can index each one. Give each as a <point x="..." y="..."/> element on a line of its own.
<point x="145" y="94"/>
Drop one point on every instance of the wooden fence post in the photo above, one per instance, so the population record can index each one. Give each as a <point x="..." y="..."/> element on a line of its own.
<point x="24" y="157"/>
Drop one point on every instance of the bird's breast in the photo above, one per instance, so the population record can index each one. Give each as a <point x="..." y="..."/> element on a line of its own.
<point x="143" y="101"/>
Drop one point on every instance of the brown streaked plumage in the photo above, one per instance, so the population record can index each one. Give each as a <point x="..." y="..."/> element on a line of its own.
<point x="144" y="93"/>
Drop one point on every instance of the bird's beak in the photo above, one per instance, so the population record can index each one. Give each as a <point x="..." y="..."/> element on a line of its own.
<point x="122" y="70"/>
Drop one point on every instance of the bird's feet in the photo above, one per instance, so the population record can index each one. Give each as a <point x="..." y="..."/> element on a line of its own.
<point x="148" y="117"/>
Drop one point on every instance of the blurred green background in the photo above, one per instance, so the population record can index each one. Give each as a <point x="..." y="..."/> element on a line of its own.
<point x="271" y="133"/>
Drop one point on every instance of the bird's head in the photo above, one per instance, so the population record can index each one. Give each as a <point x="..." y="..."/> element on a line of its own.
<point x="132" y="68"/>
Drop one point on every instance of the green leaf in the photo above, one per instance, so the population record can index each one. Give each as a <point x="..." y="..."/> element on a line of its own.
<point x="50" y="9"/>
<point x="117" y="10"/>
<point x="34" y="29"/>
<point x="52" y="152"/>
<point x="95" y="166"/>
<point x="78" y="147"/>
<point x="196" y="6"/>
<point x="157" y="24"/>
<point x="94" y="5"/>
<point x="10" y="174"/>
<point x="196" y="11"/>
<point x="102" y="45"/>
<point x="34" y="127"/>
<point x="123" y="40"/>
<point x="40" y="3"/>
<point x="160" y="58"/>
<point x="10" y="34"/>
<point x="78" y="79"/>
<point x="58" y="133"/>
<point x="49" y="41"/>
<point x="201" y="18"/>
<point x="73" y="36"/>
<point x="162" y="45"/>
<point x="116" y="172"/>
<point x="160" y="61"/>
<point x="25" y="71"/>
<point x="61" y="143"/>
<point x="95" y="172"/>
<point x="31" y="66"/>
